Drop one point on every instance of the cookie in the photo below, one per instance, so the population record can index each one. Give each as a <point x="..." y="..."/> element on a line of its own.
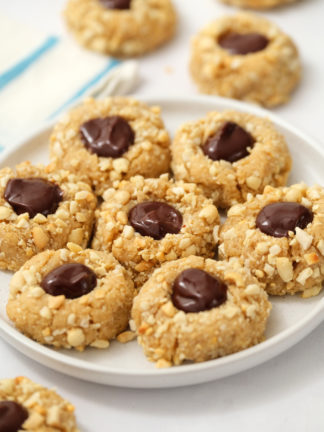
<point x="25" y="405"/>
<point x="199" y="309"/>
<point x="41" y="209"/>
<point x="230" y="155"/>
<point x="111" y="139"/>
<point x="145" y="222"/>
<point x="71" y="298"/>
<point x="279" y="236"/>
<point x="121" y="28"/>
<point x="245" y="57"/>
<point x="258" y="4"/>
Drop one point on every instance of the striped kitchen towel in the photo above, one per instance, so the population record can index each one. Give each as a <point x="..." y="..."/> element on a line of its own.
<point x="42" y="76"/>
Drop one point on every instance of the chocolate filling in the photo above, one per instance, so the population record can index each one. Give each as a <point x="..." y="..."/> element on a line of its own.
<point x="12" y="416"/>
<point x="155" y="219"/>
<point x="116" y="4"/>
<point x="33" y="195"/>
<point x="195" y="290"/>
<point x="279" y="218"/>
<point x="243" y="43"/>
<point x="108" y="136"/>
<point x="230" y="143"/>
<point x="72" y="280"/>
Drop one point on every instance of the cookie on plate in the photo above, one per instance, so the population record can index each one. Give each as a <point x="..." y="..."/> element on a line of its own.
<point x="111" y="139"/>
<point x="121" y="27"/>
<point x="279" y="236"/>
<point x="41" y="209"/>
<point x="199" y="309"/>
<point x="245" y="57"/>
<point x="230" y="155"/>
<point x="258" y="4"/>
<point x="145" y="222"/>
<point x="71" y="298"/>
<point x="25" y="405"/>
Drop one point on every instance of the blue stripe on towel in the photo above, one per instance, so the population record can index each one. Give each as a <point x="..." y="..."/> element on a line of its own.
<point x="20" y="67"/>
<point x="111" y="64"/>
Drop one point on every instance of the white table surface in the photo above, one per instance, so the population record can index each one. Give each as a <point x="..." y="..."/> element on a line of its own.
<point x="285" y="393"/>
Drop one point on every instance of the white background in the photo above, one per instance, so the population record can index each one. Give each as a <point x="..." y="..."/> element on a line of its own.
<point x="285" y="393"/>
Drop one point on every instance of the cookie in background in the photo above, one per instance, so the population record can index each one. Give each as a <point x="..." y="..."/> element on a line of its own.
<point x="246" y="57"/>
<point x="122" y="28"/>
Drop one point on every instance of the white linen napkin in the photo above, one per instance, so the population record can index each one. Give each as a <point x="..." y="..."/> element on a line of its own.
<point x="43" y="75"/>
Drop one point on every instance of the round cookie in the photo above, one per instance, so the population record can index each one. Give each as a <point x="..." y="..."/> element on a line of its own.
<point x="230" y="155"/>
<point x="177" y="319"/>
<point x="111" y="139"/>
<point x="121" y="28"/>
<point x="245" y="57"/>
<point x="71" y="298"/>
<point x="258" y="4"/>
<point x="279" y="236"/>
<point x="41" y="209"/>
<point x="181" y="222"/>
<point x="25" y="405"/>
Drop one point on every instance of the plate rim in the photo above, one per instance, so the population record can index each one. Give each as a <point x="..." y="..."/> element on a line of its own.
<point x="264" y="350"/>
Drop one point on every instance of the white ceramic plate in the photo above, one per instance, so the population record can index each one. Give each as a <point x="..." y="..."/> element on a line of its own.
<point x="291" y="319"/>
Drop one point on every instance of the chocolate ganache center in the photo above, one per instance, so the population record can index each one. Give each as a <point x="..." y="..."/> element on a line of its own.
<point x="72" y="280"/>
<point x="12" y="416"/>
<point x="155" y="219"/>
<point x="231" y="143"/>
<point x="195" y="290"/>
<point x="243" y="43"/>
<point x="116" y="4"/>
<point x="277" y="219"/>
<point x="108" y="136"/>
<point x="33" y="195"/>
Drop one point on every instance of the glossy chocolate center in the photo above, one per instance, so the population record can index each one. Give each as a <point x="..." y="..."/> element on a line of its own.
<point x="243" y="43"/>
<point x="155" y="219"/>
<point x="108" y="136"/>
<point x="116" y="4"/>
<point x="279" y="218"/>
<point x="230" y="143"/>
<point x="71" y="280"/>
<point x="33" y="195"/>
<point x="12" y="416"/>
<point x="195" y="290"/>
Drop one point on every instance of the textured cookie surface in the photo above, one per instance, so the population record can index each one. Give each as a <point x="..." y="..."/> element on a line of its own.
<point x="288" y="264"/>
<point x="149" y="155"/>
<point x="91" y="319"/>
<point x="170" y="336"/>
<point x="136" y="30"/>
<point x="266" y="76"/>
<point x="267" y="162"/>
<point x="140" y="254"/>
<point x="46" y="411"/>
<point x="258" y="4"/>
<point x="24" y="235"/>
